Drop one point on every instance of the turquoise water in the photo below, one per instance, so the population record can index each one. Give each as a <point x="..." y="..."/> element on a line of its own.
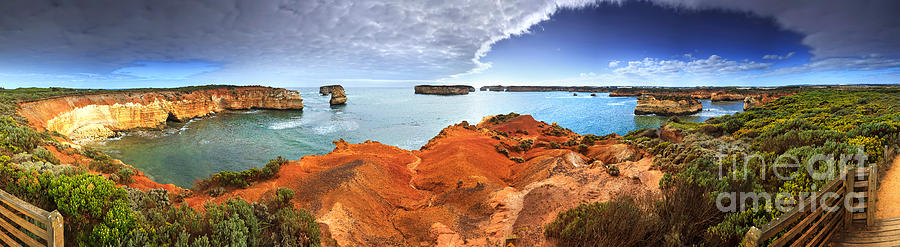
<point x="239" y="140"/>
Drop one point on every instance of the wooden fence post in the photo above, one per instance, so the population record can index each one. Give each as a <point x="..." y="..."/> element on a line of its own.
<point x="872" y="190"/>
<point x="751" y="239"/>
<point x="55" y="229"/>
<point x="848" y="200"/>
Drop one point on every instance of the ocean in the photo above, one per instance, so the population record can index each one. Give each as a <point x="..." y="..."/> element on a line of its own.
<point x="238" y="140"/>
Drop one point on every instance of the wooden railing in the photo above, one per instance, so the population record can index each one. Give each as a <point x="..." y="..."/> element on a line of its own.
<point x="24" y="224"/>
<point x="815" y="226"/>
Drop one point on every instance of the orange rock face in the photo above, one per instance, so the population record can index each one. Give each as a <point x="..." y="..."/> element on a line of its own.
<point x="101" y="115"/>
<point x="458" y="190"/>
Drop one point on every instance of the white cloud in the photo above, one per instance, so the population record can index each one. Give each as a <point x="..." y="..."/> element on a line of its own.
<point x="778" y="57"/>
<point x="713" y="65"/>
<point x="614" y="64"/>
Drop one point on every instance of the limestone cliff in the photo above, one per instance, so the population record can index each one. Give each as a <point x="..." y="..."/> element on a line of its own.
<point x="726" y="96"/>
<point x="444" y="89"/>
<point x="101" y="115"/>
<point x="667" y="105"/>
<point x="758" y="101"/>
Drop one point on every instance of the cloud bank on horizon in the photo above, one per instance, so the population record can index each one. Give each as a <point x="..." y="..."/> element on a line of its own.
<point x="161" y="43"/>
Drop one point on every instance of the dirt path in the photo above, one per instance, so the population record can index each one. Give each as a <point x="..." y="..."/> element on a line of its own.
<point x="888" y="204"/>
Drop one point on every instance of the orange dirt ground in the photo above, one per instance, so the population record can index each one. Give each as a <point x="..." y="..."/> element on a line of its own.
<point x="888" y="204"/>
<point x="458" y="190"/>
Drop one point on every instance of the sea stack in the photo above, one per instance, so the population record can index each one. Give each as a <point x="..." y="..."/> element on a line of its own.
<point x="444" y="89"/>
<point x="667" y="105"/>
<point x="338" y="96"/>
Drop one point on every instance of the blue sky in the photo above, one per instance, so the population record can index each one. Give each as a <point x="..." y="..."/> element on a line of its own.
<point x="402" y="43"/>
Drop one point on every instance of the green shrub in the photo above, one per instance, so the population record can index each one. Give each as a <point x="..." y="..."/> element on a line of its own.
<point x="500" y="149"/>
<point x="612" y="169"/>
<point x="517" y="159"/>
<point x="125" y="175"/>
<point x="620" y="222"/>
<point x="496" y="119"/>
<point x="43" y="154"/>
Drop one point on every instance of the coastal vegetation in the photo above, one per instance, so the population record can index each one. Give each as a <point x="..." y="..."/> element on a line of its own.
<point x="727" y="154"/>
<point x="100" y="210"/>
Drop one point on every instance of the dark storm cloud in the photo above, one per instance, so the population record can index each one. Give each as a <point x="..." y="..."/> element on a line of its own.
<point x="832" y="28"/>
<point x="264" y="39"/>
<point x="310" y="40"/>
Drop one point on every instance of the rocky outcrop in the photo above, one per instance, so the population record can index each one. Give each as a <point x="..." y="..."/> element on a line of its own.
<point x="726" y="96"/>
<point x="102" y="115"/>
<point x="460" y="189"/>
<point x="338" y="97"/>
<point x="585" y="89"/>
<point x="325" y="90"/>
<point x="497" y="88"/>
<point x="758" y="101"/>
<point x="667" y="105"/>
<point x="444" y="89"/>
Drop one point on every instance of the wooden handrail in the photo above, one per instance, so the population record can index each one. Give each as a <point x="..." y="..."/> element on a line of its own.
<point x="815" y="226"/>
<point x="23" y="224"/>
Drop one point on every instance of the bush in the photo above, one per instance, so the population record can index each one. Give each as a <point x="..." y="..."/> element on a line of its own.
<point x="524" y="145"/>
<point x="125" y="174"/>
<point x="496" y="119"/>
<point x="620" y="222"/>
<point x="500" y="149"/>
<point x="43" y="154"/>
<point x="517" y="159"/>
<point x="613" y="170"/>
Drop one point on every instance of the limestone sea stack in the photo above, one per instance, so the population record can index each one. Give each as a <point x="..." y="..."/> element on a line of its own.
<point x="325" y="90"/>
<point x="82" y="117"/>
<point x="338" y="97"/>
<point x="444" y="89"/>
<point x="667" y="105"/>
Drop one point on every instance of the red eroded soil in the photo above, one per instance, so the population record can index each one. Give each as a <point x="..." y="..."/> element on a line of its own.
<point x="458" y="190"/>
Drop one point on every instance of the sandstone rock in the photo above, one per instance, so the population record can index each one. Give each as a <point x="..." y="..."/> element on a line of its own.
<point x="455" y="191"/>
<point x="726" y="96"/>
<point x="443" y="89"/>
<point x="325" y="90"/>
<point x="337" y="94"/>
<point x="83" y="117"/>
<point x="667" y="105"/>
<point x="758" y="101"/>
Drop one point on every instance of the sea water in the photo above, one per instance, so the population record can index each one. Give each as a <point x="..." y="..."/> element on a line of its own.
<point x="238" y="140"/>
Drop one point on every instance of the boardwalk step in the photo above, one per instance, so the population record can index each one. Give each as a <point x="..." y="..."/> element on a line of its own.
<point x="859" y="216"/>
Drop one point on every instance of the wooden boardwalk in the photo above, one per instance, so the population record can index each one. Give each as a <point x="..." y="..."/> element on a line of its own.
<point x="885" y="232"/>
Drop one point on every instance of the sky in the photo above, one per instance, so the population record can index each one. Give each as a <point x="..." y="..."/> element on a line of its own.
<point x="287" y="43"/>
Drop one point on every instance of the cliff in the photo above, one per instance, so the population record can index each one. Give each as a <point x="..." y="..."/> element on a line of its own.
<point x="726" y="96"/>
<point x="337" y="94"/>
<point x="444" y="89"/>
<point x="758" y="101"/>
<point x="667" y="105"/>
<point x="101" y="115"/>
<point x="469" y="186"/>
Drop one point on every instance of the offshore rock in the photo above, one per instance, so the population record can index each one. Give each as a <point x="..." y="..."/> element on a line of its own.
<point x="444" y="89"/>
<point x="667" y="105"/>
<point x="338" y="97"/>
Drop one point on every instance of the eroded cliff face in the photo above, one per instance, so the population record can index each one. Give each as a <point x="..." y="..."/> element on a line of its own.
<point x="667" y="105"/>
<point x="83" y="117"/>
<point x="458" y="190"/>
<point x="443" y="89"/>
